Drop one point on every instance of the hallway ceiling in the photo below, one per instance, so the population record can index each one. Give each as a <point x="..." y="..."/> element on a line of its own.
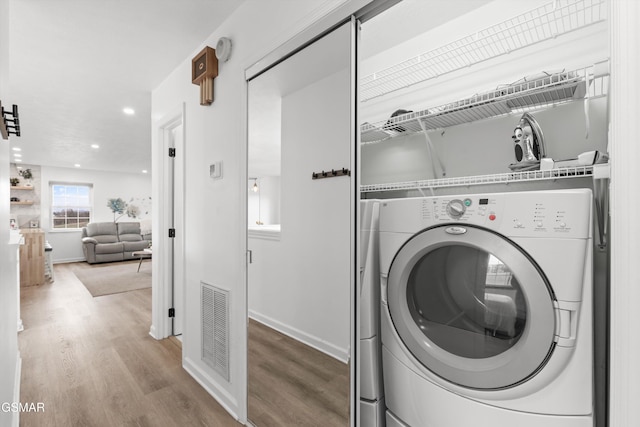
<point x="75" y="64"/>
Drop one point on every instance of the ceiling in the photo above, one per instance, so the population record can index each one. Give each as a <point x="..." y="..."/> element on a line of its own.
<point x="75" y="64"/>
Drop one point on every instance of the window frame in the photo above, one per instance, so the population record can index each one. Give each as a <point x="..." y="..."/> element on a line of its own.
<point x="53" y="207"/>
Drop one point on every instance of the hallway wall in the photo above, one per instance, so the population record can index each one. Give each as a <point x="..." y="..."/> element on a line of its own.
<point x="215" y="217"/>
<point x="9" y="356"/>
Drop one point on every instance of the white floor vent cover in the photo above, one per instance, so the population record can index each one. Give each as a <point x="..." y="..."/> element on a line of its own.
<point x="215" y="328"/>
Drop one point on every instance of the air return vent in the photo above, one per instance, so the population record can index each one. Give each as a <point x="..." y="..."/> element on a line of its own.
<point x="215" y="328"/>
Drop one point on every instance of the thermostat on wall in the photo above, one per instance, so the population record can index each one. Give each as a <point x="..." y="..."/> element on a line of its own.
<point x="215" y="170"/>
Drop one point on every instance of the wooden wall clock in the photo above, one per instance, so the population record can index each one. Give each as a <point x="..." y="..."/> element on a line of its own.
<point x="204" y="68"/>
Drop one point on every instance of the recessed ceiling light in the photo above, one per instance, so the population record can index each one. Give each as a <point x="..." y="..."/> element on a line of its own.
<point x="77" y="165"/>
<point x="144" y="171"/>
<point x="17" y="160"/>
<point x="17" y="155"/>
<point x="128" y="110"/>
<point x="17" y="149"/>
<point x="95" y="146"/>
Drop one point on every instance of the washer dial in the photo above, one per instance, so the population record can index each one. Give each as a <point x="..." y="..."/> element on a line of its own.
<point x="456" y="208"/>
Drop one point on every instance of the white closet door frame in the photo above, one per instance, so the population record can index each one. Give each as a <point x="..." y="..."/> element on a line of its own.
<point x="350" y="11"/>
<point x="625" y="202"/>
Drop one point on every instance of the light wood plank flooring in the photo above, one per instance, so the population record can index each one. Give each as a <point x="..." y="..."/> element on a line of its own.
<point x="92" y="362"/>
<point x="291" y="384"/>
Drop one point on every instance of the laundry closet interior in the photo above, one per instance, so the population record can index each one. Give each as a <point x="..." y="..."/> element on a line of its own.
<point x="443" y="87"/>
<point x="446" y="91"/>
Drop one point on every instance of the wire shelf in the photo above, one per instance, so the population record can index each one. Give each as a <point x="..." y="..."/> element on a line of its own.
<point x="505" y="178"/>
<point x="537" y="25"/>
<point x="525" y="95"/>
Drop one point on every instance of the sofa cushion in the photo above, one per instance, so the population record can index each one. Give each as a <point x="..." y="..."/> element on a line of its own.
<point x="135" y="246"/>
<point x="129" y="232"/>
<point x="109" y="257"/>
<point x="109" y="248"/>
<point x="103" y="232"/>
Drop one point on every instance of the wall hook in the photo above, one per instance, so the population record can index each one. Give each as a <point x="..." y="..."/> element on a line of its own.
<point x="332" y="174"/>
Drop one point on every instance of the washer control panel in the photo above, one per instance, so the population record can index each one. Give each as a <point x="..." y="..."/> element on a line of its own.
<point x="473" y="209"/>
<point x="536" y="213"/>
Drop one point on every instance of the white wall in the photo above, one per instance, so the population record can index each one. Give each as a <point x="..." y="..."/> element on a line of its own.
<point x="132" y="188"/>
<point x="9" y="355"/>
<point x="215" y="209"/>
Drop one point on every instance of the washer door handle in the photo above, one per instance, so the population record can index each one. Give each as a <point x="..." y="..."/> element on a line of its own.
<point x="566" y="323"/>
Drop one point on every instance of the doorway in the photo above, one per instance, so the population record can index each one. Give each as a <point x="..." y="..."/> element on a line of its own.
<point x="176" y="212"/>
<point x="168" y="227"/>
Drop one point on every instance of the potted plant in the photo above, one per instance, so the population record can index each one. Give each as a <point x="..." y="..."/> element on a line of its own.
<point x="14" y="181"/>
<point x="27" y="175"/>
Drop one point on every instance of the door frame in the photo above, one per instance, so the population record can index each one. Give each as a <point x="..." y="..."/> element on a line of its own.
<point x="162" y="268"/>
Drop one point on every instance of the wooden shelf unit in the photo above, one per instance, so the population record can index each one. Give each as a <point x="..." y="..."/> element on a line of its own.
<point x="32" y="257"/>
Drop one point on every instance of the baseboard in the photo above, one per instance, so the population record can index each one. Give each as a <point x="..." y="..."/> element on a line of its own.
<point x="16" y="391"/>
<point x="152" y="332"/>
<point x="67" y="260"/>
<point x="226" y="400"/>
<point x="323" y="346"/>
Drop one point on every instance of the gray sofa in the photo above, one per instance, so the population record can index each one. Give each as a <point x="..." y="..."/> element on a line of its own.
<point x="111" y="241"/>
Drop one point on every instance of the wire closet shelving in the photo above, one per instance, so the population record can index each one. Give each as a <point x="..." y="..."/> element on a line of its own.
<point x="537" y="25"/>
<point x="596" y="171"/>
<point x="525" y="95"/>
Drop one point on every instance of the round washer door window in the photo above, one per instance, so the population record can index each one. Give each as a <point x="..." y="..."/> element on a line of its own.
<point x="471" y="306"/>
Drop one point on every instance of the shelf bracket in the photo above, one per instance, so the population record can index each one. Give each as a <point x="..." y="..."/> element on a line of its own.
<point x="601" y="200"/>
<point x="433" y="154"/>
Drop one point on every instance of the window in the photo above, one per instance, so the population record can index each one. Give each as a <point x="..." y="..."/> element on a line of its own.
<point x="70" y="205"/>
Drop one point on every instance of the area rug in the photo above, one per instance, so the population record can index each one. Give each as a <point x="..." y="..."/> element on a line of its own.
<point x="115" y="277"/>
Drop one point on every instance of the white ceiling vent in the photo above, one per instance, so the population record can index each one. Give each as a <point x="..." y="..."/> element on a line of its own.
<point x="215" y="328"/>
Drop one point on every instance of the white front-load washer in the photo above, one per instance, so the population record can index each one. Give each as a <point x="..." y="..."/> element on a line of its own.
<point x="486" y="310"/>
<point x="372" y="407"/>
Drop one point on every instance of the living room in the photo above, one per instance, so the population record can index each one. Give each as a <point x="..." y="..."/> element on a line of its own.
<point x="134" y="189"/>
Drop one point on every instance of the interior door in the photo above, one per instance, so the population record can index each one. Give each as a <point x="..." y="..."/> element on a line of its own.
<point x="301" y="281"/>
<point x="472" y="306"/>
<point x="176" y="202"/>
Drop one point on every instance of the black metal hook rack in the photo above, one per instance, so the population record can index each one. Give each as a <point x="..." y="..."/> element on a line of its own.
<point x="9" y="125"/>
<point x="331" y="174"/>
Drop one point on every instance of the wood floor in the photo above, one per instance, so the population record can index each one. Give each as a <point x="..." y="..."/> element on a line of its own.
<point x="291" y="384"/>
<point x="92" y="362"/>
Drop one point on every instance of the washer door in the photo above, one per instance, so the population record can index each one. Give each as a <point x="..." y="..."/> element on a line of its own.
<point x="472" y="306"/>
